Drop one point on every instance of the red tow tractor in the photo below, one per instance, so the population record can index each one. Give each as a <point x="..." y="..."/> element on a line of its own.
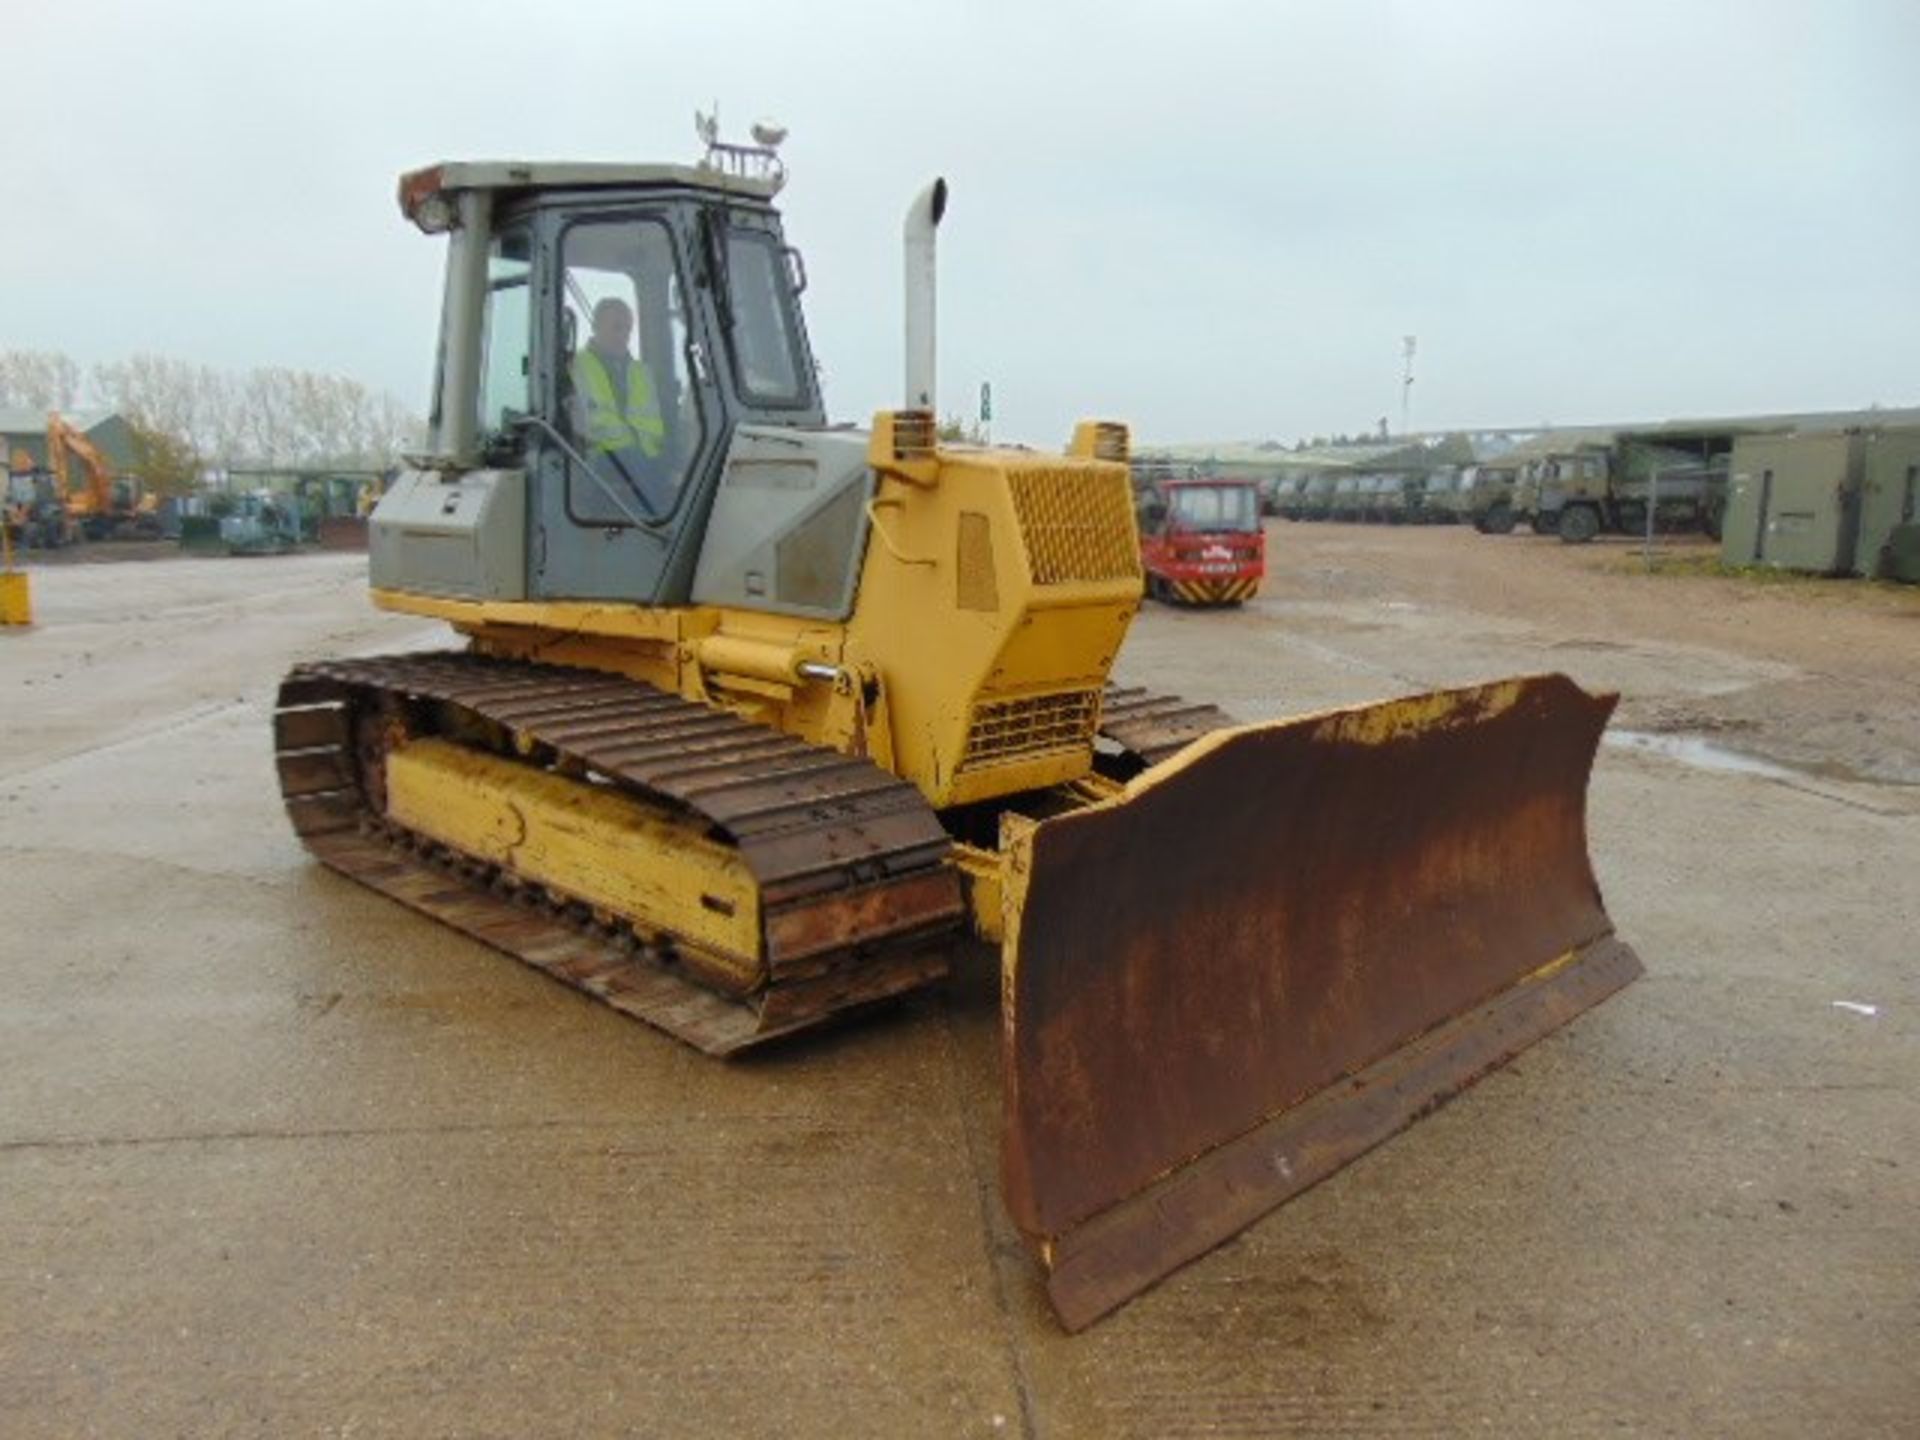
<point x="1201" y="541"/>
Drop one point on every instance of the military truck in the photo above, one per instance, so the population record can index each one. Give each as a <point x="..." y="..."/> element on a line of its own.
<point x="1382" y="500"/>
<point x="1438" y="493"/>
<point x="1484" y="496"/>
<point x="1547" y="485"/>
<point x="1589" y="489"/>
<point x="1282" y="496"/>
<point x="1343" y="500"/>
<point x="1316" y="496"/>
<point x="1522" y="500"/>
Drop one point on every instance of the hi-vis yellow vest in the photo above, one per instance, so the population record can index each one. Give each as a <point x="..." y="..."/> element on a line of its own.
<point x="610" y="424"/>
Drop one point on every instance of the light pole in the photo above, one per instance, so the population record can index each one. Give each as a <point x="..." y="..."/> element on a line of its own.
<point x="1406" y="385"/>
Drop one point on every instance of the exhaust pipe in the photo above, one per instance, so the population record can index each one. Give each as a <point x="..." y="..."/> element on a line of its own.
<point x="923" y="218"/>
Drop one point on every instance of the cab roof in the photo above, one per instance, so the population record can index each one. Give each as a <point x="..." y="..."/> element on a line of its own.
<point x="452" y="176"/>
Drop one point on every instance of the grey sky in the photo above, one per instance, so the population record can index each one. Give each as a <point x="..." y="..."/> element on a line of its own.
<point x="1213" y="220"/>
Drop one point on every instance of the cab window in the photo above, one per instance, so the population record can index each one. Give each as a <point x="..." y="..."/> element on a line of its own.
<point x="506" y="335"/>
<point x="766" y="363"/>
<point x="1215" y="507"/>
<point x="632" y="419"/>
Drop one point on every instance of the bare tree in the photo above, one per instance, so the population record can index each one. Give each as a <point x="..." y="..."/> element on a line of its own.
<point x="270" y="416"/>
<point x="38" y="380"/>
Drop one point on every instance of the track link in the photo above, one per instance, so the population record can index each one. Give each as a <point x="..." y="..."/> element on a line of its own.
<point x="1148" y="728"/>
<point x="859" y="899"/>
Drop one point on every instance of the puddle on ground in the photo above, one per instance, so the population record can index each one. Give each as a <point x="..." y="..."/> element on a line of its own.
<point x="1701" y="754"/>
<point x="1704" y="754"/>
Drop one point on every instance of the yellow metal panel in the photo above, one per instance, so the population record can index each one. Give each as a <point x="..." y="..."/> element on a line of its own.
<point x="1027" y="725"/>
<point x="940" y="662"/>
<point x="634" y="622"/>
<point x="1076" y="522"/>
<point x="1393" y="720"/>
<point x="981" y="870"/>
<point x="594" y="844"/>
<point x="16" y="600"/>
<point x="1013" y="777"/>
<point x="1101" y="440"/>
<point x="975" y="588"/>
<point x="1003" y="575"/>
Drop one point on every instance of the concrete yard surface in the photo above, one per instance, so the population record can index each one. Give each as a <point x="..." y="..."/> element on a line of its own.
<point x="279" y="1157"/>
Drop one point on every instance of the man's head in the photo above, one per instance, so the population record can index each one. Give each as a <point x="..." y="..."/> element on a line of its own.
<point x="612" y="326"/>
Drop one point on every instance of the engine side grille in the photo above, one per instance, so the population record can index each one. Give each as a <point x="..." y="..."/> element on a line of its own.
<point x="1078" y="524"/>
<point x="1004" y="730"/>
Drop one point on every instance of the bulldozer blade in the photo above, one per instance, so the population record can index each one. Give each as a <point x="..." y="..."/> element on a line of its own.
<point x="1274" y="950"/>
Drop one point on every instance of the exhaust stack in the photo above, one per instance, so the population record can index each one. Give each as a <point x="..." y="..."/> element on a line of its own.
<point x="923" y="218"/>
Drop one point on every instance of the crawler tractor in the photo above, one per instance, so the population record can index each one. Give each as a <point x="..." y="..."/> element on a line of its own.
<point x="757" y="720"/>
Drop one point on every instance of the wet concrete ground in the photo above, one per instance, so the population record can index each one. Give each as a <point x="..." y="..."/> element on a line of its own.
<point x="278" y="1157"/>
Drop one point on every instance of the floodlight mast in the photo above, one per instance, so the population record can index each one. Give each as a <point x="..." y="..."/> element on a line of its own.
<point x="1406" y="384"/>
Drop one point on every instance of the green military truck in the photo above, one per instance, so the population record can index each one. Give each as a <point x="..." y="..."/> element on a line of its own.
<point x="1344" y="500"/>
<point x="1439" y="494"/>
<point x="1284" y="495"/>
<point x="1394" y="498"/>
<point x="1526" y="501"/>
<point x="1548" y="485"/>
<point x="1590" y="489"/>
<point x="1316" y="496"/>
<point x="1484" y="496"/>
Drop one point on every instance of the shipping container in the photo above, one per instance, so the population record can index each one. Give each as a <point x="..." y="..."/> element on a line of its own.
<point x="1889" y="503"/>
<point x="1793" y="502"/>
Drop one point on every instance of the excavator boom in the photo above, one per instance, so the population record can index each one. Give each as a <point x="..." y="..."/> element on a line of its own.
<point x="67" y="448"/>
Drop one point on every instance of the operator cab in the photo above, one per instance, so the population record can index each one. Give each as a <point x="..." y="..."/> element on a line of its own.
<point x="607" y="330"/>
<point x="1200" y="506"/>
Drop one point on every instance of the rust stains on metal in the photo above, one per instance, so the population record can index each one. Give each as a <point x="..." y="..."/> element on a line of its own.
<point x="1096" y="1267"/>
<point x="1267" y="916"/>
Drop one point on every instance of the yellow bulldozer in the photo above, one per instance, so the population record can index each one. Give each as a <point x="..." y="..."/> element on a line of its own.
<point x="759" y="720"/>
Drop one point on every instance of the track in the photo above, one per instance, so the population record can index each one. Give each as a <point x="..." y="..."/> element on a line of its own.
<point x="1149" y="728"/>
<point x="859" y="900"/>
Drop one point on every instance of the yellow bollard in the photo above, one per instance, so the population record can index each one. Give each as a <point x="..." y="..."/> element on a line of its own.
<point x="16" y="601"/>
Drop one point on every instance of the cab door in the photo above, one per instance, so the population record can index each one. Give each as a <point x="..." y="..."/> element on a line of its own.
<point x="624" y="467"/>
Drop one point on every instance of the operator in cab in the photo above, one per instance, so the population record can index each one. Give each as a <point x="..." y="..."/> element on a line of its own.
<point x="619" y="410"/>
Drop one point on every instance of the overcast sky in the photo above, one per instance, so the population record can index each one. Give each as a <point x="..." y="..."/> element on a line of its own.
<point x="1213" y="220"/>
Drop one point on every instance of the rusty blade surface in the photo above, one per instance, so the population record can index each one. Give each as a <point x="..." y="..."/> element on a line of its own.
<point x="1095" y="1267"/>
<point x="1278" y="908"/>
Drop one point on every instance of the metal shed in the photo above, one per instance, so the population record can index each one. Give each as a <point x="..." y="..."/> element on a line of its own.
<point x="1793" y="501"/>
<point x="1889" y="542"/>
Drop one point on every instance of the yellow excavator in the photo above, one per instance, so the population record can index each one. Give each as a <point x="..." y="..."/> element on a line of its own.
<point x="105" y="506"/>
<point x="759" y="719"/>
